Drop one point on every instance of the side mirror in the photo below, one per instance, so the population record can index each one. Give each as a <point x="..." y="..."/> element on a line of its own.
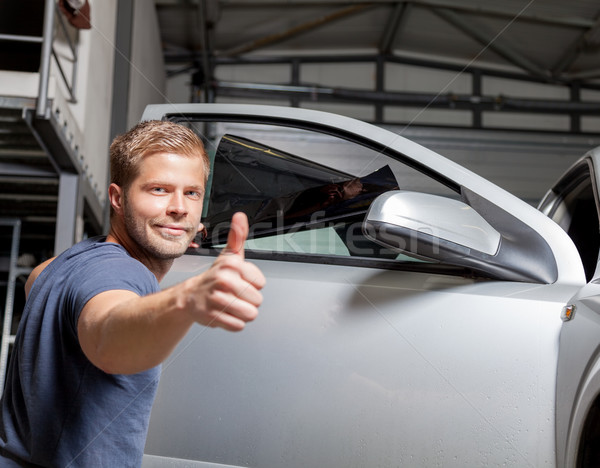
<point x="430" y="227"/>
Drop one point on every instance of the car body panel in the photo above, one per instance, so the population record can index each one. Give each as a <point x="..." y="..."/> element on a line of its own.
<point x="361" y="367"/>
<point x="578" y="380"/>
<point x="578" y="374"/>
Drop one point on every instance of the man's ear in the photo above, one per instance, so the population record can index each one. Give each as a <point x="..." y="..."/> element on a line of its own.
<point x="115" y="196"/>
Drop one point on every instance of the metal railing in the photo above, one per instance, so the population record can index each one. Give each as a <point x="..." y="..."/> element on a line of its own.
<point x="13" y="272"/>
<point x="48" y="51"/>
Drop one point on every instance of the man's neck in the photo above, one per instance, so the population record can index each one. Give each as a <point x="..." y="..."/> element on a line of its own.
<point x="158" y="267"/>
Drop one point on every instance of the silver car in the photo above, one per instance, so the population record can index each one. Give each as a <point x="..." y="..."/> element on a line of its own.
<point x="415" y="314"/>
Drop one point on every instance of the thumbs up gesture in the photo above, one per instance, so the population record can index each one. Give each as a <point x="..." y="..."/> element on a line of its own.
<point x="228" y="294"/>
<point x="238" y="233"/>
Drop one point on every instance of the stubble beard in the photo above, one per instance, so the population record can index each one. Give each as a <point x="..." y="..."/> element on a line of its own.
<point x="165" y="247"/>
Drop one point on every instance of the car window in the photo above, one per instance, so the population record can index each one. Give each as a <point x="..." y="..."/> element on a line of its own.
<point x="574" y="208"/>
<point x="305" y="193"/>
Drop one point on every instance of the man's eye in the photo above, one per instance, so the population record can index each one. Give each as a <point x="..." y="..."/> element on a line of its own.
<point x="158" y="190"/>
<point x="194" y="194"/>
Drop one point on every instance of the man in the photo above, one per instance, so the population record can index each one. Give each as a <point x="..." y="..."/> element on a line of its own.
<point x="85" y="363"/>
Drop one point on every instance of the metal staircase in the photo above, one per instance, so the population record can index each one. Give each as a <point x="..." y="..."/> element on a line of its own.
<point x="46" y="202"/>
<point x="10" y="271"/>
<point x="28" y="184"/>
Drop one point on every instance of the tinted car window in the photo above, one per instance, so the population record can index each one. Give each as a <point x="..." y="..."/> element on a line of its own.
<point x="305" y="193"/>
<point x="573" y="206"/>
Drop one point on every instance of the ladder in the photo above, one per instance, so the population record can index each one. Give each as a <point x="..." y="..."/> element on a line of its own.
<point x="13" y="272"/>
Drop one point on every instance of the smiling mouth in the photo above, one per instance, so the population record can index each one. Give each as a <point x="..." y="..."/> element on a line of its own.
<point x="174" y="231"/>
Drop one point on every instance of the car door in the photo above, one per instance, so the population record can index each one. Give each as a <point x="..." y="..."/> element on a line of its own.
<point x="574" y="204"/>
<point x="411" y="315"/>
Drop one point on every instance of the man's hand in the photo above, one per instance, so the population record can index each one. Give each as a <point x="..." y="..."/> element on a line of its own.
<point x="228" y="294"/>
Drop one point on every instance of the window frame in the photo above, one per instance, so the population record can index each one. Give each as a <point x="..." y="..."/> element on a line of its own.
<point x="312" y="258"/>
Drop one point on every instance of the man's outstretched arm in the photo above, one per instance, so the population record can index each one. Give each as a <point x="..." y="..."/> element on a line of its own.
<point x="123" y="333"/>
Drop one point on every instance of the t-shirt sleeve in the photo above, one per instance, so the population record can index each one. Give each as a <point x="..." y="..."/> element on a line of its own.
<point x="106" y="273"/>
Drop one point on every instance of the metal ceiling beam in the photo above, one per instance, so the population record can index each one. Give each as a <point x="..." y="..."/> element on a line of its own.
<point x="296" y="30"/>
<point x="584" y="75"/>
<point x="393" y="26"/>
<point x="492" y="42"/>
<point x="433" y="100"/>
<point x="373" y="58"/>
<point x="469" y="7"/>
<point x="457" y="5"/>
<point x="583" y="42"/>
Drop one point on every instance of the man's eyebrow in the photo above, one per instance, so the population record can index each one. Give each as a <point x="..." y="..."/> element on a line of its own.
<point x="165" y="182"/>
<point x="148" y="183"/>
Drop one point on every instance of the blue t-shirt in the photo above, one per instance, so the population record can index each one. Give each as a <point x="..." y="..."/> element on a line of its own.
<point x="57" y="408"/>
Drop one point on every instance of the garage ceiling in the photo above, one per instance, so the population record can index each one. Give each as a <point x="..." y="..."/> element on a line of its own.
<point x="554" y="41"/>
<point x="487" y="45"/>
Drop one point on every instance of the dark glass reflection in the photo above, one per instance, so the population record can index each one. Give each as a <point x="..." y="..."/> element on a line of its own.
<point x="279" y="191"/>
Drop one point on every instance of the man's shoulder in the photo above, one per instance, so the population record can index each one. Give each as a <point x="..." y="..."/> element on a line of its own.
<point x="80" y="253"/>
<point x="93" y="263"/>
<point x="35" y="273"/>
<point x="95" y="250"/>
<point x="79" y="247"/>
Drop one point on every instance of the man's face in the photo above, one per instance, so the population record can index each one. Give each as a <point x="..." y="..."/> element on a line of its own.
<point x="163" y="205"/>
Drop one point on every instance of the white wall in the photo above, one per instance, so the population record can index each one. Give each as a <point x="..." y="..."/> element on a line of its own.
<point x="147" y="82"/>
<point x="178" y="88"/>
<point x="93" y="111"/>
<point x="526" y="164"/>
<point x="401" y="78"/>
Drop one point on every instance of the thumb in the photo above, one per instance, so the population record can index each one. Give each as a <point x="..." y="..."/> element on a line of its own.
<point x="238" y="233"/>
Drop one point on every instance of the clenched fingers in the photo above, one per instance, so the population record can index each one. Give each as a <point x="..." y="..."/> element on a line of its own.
<point x="228" y="294"/>
<point x="247" y="271"/>
<point x="243" y="284"/>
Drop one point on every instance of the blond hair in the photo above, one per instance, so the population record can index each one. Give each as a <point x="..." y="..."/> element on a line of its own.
<point x="150" y="137"/>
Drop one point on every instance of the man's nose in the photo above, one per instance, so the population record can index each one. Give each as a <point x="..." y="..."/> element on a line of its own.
<point x="177" y="204"/>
